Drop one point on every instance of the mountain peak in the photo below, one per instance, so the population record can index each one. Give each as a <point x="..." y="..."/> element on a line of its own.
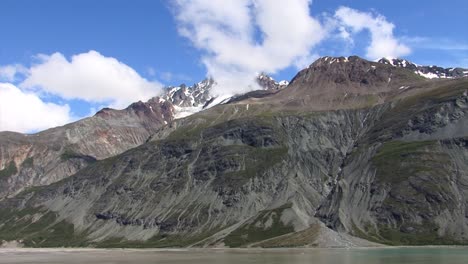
<point x="343" y="71"/>
<point x="397" y="62"/>
<point x="429" y="72"/>
<point x="268" y="83"/>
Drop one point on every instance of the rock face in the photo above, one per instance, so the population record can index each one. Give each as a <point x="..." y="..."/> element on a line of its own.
<point x="268" y="83"/>
<point x="54" y="154"/>
<point x="405" y="180"/>
<point x="276" y="169"/>
<point x="193" y="96"/>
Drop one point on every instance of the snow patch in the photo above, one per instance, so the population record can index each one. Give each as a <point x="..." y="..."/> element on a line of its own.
<point x="404" y="62"/>
<point x="428" y="75"/>
<point x="181" y="112"/>
<point x="219" y="100"/>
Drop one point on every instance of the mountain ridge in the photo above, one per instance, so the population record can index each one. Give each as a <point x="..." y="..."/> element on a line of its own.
<point x="62" y="151"/>
<point x="278" y="168"/>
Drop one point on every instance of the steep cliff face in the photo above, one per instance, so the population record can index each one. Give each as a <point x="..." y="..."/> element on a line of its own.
<point x="263" y="171"/>
<point x="406" y="180"/>
<point x="263" y="176"/>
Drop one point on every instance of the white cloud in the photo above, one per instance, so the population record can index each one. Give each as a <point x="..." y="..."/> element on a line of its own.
<point x="9" y="73"/>
<point x="26" y="112"/>
<point x="383" y="42"/>
<point x="91" y="77"/>
<point x="228" y="31"/>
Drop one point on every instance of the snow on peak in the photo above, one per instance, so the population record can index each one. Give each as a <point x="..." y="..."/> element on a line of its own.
<point x="429" y="72"/>
<point x="188" y="100"/>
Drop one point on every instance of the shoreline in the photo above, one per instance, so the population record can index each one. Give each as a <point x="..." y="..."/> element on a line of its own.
<point x="251" y="250"/>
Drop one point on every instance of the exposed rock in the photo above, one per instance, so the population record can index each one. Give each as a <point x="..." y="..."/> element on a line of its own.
<point x="302" y="166"/>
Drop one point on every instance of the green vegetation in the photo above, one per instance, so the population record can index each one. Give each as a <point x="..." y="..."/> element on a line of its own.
<point x="189" y="132"/>
<point x="28" y="162"/>
<point x="266" y="225"/>
<point x="157" y="241"/>
<point x="9" y="170"/>
<point x="257" y="161"/>
<point x="38" y="228"/>
<point x="404" y="109"/>
<point x="296" y="239"/>
<point x="425" y="234"/>
<point x="206" y="124"/>
<point x="396" y="161"/>
<point x="68" y="154"/>
<point x="415" y="171"/>
<point x="433" y="96"/>
<point x="416" y="175"/>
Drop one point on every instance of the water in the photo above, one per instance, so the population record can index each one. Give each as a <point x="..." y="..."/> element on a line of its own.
<point x="423" y="255"/>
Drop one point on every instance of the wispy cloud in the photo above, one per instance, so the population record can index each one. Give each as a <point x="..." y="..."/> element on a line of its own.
<point x="435" y="44"/>
<point x="383" y="41"/>
<point x="170" y="77"/>
<point x="10" y="73"/>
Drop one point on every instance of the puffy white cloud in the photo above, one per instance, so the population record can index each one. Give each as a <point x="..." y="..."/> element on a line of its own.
<point x="26" y="112"/>
<point x="228" y="32"/>
<point x="91" y="77"/>
<point x="383" y="42"/>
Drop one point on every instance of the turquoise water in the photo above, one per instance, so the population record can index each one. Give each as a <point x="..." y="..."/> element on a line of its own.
<point x="428" y="255"/>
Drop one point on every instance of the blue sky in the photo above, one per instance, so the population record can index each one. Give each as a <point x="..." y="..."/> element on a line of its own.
<point x="162" y="42"/>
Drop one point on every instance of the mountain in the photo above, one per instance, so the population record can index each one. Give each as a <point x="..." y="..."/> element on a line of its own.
<point x="351" y="153"/>
<point x="193" y="99"/>
<point x="49" y="156"/>
<point x="430" y="72"/>
<point x="54" y="154"/>
<point x="268" y="83"/>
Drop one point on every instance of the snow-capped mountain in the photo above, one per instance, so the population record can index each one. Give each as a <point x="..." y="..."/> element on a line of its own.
<point x="429" y="72"/>
<point x="188" y="100"/>
<point x="268" y="83"/>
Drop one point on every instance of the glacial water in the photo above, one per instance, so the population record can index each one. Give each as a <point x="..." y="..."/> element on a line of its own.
<point x="423" y="255"/>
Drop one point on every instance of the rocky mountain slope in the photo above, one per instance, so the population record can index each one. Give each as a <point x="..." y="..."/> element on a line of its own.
<point x="352" y="153"/>
<point x="51" y="155"/>
<point x="54" y="154"/>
